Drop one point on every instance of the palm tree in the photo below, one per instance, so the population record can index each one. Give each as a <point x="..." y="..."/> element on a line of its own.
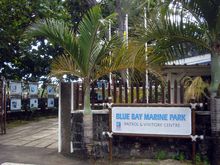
<point x="86" y="54"/>
<point x="180" y="23"/>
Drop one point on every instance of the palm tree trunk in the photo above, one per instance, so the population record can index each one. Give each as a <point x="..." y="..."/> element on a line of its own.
<point x="87" y="120"/>
<point x="215" y="107"/>
<point x="87" y="107"/>
<point x="215" y="72"/>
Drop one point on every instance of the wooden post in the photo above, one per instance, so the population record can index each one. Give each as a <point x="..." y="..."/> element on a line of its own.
<point x="109" y="89"/>
<point x="132" y="93"/>
<point x="156" y="91"/>
<point x="137" y="92"/>
<point x="103" y="93"/>
<point x="77" y="96"/>
<point x="4" y="102"/>
<point x="175" y="91"/>
<point x="169" y="92"/>
<point x="93" y="95"/>
<point x="193" y="134"/>
<point x="144" y="94"/>
<point x="114" y="92"/>
<point x="110" y="130"/>
<point x="82" y="92"/>
<point x="150" y="93"/>
<point x="181" y="93"/>
<point x="120" y="92"/>
<point x="1" y="108"/>
<point x="162" y="94"/>
<point x="126" y="92"/>
<point x="74" y="96"/>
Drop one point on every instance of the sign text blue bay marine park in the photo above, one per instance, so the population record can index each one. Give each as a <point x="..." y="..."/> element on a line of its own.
<point x="152" y="117"/>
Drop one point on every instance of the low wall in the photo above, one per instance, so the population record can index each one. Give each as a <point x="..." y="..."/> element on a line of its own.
<point x="139" y="147"/>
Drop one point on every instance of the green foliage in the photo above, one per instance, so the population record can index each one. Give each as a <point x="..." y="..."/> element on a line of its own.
<point x="175" y="26"/>
<point x="87" y="55"/>
<point x="160" y="155"/>
<point x="206" y="161"/>
<point x="17" y="59"/>
<point x="77" y="8"/>
<point x="200" y="160"/>
<point x="180" y="156"/>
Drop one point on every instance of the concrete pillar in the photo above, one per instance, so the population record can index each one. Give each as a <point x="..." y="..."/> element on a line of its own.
<point x="172" y="77"/>
<point x="64" y="117"/>
<point x="215" y="125"/>
<point x="215" y="114"/>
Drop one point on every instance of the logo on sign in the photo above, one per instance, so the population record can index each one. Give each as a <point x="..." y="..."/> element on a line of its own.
<point x="118" y="125"/>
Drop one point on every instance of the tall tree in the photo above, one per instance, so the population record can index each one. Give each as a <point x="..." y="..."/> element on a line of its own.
<point x="77" y="9"/>
<point x="86" y="54"/>
<point x="17" y="59"/>
<point x="179" y="23"/>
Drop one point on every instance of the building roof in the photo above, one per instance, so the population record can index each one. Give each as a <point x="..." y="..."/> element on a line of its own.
<point x="201" y="59"/>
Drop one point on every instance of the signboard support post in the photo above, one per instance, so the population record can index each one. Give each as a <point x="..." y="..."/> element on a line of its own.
<point x="193" y="134"/>
<point x="110" y="138"/>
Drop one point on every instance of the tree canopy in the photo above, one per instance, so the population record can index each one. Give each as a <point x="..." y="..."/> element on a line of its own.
<point x="18" y="59"/>
<point x="30" y="58"/>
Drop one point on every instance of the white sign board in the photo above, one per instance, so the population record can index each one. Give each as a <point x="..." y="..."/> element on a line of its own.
<point x="152" y="120"/>
<point x="33" y="90"/>
<point x="50" y="102"/>
<point x="15" y="88"/>
<point x="33" y="103"/>
<point x="15" y="104"/>
<point x="50" y="90"/>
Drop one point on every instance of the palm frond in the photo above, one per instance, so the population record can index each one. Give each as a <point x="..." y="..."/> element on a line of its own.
<point x="173" y="35"/>
<point x="92" y="46"/>
<point x="123" y="57"/>
<point x="195" y="88"/>
<point x="65" y="64"/>
<point x="87" y="54"/>
<point x="57" y="32"/>
<point x="203" y="11"/>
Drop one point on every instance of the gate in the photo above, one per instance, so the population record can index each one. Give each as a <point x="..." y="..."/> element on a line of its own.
<point x="2" y="106"/>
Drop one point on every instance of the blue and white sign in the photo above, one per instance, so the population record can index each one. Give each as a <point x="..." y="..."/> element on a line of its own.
<point x="33" y="89"/>
<point x="50" y="102"/>
<point x="152" y="120"/>
<point x="15" y="88"/>
<point x="50" y="90"/>
<point x="33" y="103"/>
<point x="15" y="104"/>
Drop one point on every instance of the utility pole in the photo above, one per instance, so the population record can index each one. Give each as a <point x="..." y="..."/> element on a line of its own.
<point x="147" y="80"/>
<point x="126" y="42"/>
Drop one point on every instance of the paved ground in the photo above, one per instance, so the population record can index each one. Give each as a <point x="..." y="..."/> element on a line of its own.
<point x="33" y="143"/>
<point x="35" y="155"/>
<point x="36" y="144"/>
<point x="41" y="134"/>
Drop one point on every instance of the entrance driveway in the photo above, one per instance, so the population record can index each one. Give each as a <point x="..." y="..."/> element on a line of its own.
<point x="34" y="143"/>
<point x="42" y="134"/>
